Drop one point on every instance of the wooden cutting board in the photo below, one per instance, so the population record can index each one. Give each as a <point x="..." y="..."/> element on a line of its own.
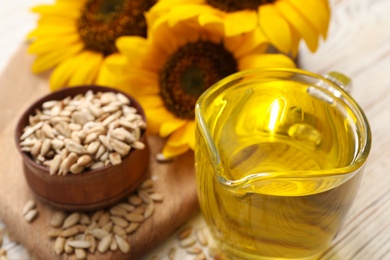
<point x="175" y="180"/>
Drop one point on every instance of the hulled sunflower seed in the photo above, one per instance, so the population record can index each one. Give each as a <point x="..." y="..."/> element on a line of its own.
<point x="47" y="130"/>
<point x="79" y="244"/>
<point x="104" y="219"/>
<point x="68" y="249"/>
<point x="114" y="245"/>
<point x="105" y="141"/>
<point x="55" y="164"/>
<point x="28" y="206"/>
<point x="99" y="233"/>
<point x="118" y="211"/>
<point x="92" y="242"/>
<point x="134" y="217"/>
<point x="119" y="221"/>
<point x="185" y="233"/>
<point x="80" y="253"/>
<point x="71" y="231"/>
<point x="59" y="245"/>
<point x="124" y="247"/>
<point x="75" y="148"/>
<point x="35" y="150"/>
<point x="108" y="226"/>
<point x="115" y="158"/>
<point x="149" y="210"/>
<point x="138" y="145"/>
<point x="156" y="197"/>
<point x="95" y="111"/>
<point x="71" y="220"/>
<point x="135" y="200"/>
<point x="93" y="147"/>
<point x="126" y="206"/>
<point x="31" y="215"/>
<point x="119" y="231"/>
<point x="120" y="147"/>
<point x="53" y="233"/>
<point x="95" y="217"/>
<point x="58" y="219"/>
<point x="132" y="227"/>
<point x="84" y="219"/>
<point x="76" y="169"/>
<point x="201" y="237"/>
<point x="187" y="242"/>
<point x="105" y="243"/>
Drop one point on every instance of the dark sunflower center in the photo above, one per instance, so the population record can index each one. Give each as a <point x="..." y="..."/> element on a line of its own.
<point x="103" y="21"/>
<point x="190" y="71"/>
<point x="235" y="5"/>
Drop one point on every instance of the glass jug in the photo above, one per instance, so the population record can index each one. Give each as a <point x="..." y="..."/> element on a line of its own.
<point x="279" y="158"/>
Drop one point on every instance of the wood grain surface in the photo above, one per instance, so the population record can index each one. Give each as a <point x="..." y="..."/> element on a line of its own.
<point x="175" y="180"/>
<point x="358" y="45"/>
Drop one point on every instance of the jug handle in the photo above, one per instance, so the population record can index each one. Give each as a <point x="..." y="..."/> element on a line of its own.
<point x="340" y="79"/>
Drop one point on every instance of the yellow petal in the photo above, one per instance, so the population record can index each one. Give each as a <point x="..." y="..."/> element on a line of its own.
<point x="62" y="73"/>
<point x="52" y="30"/>
<point x="172" y="151"/>
<point x="139" y="84"/>
<point x="56" y="20"/>
<point x="117" y="64"/>
<point x="295" y="39"/>
<point x="265" y="60"/>
<point x="49" y="44"/>
<point x="185" y="12"/>
<point x="212" y="23"/>
<point x="184" y="136"/>
<point x="132" y="47"/>
<point x="86" y="73"/>
<point x="162" y="7"/>
<point x="253" y="41"/>
<point x="317" y="13"/>
<point x="48" y="60"/>
<point x="106" y="77"/>
<point x="210" y="18"/>
<point x="300" y="24"/>
<point x="171" y="126"/>
<point x="275" y="27"/>
<point x="59" y="9"/>
<point x="240" y="22"/>
<point x="155" y="118"/>
<point x="163" y="37"/>
<point x="152" y="101"/>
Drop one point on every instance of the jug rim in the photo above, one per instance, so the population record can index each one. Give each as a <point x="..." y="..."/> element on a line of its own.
<point x="357" y="162"/>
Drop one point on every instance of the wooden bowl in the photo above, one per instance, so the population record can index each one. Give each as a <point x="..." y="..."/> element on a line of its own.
<point x="89" y="190"/>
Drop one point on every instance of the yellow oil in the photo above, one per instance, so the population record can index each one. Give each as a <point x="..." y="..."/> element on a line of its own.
<point x="272" y="191"/>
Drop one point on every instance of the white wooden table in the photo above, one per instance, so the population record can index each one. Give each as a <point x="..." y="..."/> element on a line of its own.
<point x="359" y="46"/>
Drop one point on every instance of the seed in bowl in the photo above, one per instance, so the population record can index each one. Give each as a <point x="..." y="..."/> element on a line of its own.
<point x="84" y="132"/>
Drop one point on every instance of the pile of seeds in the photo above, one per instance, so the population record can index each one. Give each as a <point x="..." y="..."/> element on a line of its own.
<point x="80" y="233"/>
<point x="84" y="132"/>
<point x="196" y="242"/>
<point x="192" y="241"/>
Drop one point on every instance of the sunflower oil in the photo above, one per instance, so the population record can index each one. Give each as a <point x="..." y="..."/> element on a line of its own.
<point x="279" y="186"/>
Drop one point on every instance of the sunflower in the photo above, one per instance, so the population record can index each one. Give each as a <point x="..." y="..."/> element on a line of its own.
<point x="169" y="70"/>
<point x="283" y="22"/>
<point x="76" y="36"/>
